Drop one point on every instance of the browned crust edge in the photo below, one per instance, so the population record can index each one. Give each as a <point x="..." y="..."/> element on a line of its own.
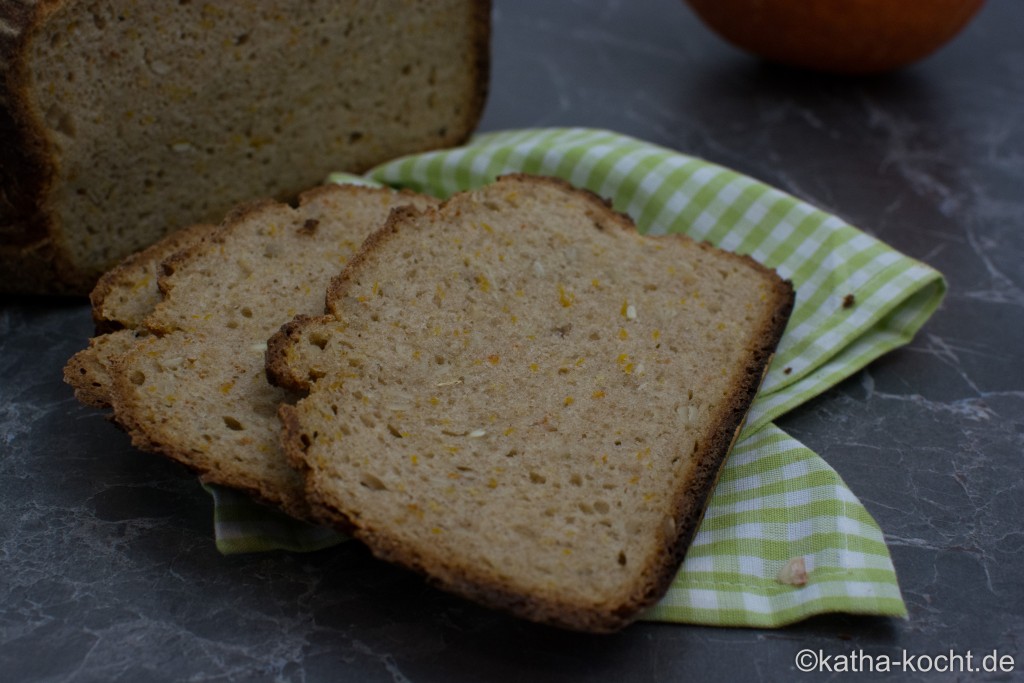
<point x="29" y="262"/>
<point x="279" y="372"/>
<point x="340" y="283"/>
<point x="79" y="375"/>
<point x="85" y="371"/>
<point x="141" y="431"/>
<point x="691" y="502"/>
<point x="481" y="64"/>
<point x="235" y="218"/>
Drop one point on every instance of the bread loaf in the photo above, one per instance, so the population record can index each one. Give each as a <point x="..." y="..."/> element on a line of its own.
<point x="190" y="383"/>
<point x="120" y="121"/>
<point x="523" y="398"/>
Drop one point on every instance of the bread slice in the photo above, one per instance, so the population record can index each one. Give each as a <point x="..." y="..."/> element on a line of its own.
<point x="520" y="396"/>
<point x="122" y="120"/>
<point x="121" y="300"/>
<point x="194" y="387"/>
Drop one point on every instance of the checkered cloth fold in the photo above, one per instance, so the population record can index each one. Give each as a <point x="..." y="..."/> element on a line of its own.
<point x="776" y="501"/>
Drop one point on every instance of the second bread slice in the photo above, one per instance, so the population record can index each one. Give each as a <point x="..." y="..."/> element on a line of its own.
<point x="194" y="387"/>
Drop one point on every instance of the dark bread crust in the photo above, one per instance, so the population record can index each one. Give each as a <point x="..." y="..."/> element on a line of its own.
<point x="603" y="215"/>
<point x="279" y="372"/>
<point x="234" y="219"/>
<point x="692" y="502"/>
<point x="481" y="23"/>
<point x="141" y="430"/>
<point x="473" y="582"/>
<point x="196" y="242"/>
<point x="29" y="262"/>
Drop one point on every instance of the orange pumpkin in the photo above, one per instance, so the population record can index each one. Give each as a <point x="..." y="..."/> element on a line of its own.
<point x="839" y="36"/>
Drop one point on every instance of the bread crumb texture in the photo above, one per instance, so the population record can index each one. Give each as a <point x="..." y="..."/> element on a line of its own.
<point x="524" y="398"/>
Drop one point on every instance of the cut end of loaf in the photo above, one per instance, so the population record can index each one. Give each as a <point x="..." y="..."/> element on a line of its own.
<point x="128" y="120"/>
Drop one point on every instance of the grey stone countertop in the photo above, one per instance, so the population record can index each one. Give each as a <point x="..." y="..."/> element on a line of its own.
<point x="108" y="569"/>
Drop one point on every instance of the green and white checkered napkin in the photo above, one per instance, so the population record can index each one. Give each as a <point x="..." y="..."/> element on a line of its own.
<point x="776" y="500"/>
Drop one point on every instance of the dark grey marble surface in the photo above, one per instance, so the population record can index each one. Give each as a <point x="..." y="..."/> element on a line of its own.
<point x="107" y="565"/>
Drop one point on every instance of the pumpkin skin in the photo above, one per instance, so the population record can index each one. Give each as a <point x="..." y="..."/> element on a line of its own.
<point x="853" y="37"/>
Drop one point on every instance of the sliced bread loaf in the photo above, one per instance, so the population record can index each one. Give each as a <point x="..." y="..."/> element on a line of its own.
<point x="194" y="388"/>
<point x="520" y="396"/>
<point x="121" y="120"/>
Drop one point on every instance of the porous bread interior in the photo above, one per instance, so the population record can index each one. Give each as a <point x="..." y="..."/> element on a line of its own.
<point x="518" y="392"/>
<point x="166" y="114"/>
<point x="195" y="389"/>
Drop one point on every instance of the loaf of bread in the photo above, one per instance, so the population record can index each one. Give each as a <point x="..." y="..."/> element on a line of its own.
<point x="523" y="398"/>
<point x="188" y="380"/>
<point x="120" y="121"/>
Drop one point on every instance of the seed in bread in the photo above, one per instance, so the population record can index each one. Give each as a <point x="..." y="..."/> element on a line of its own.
<point x="520" y="396"/>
